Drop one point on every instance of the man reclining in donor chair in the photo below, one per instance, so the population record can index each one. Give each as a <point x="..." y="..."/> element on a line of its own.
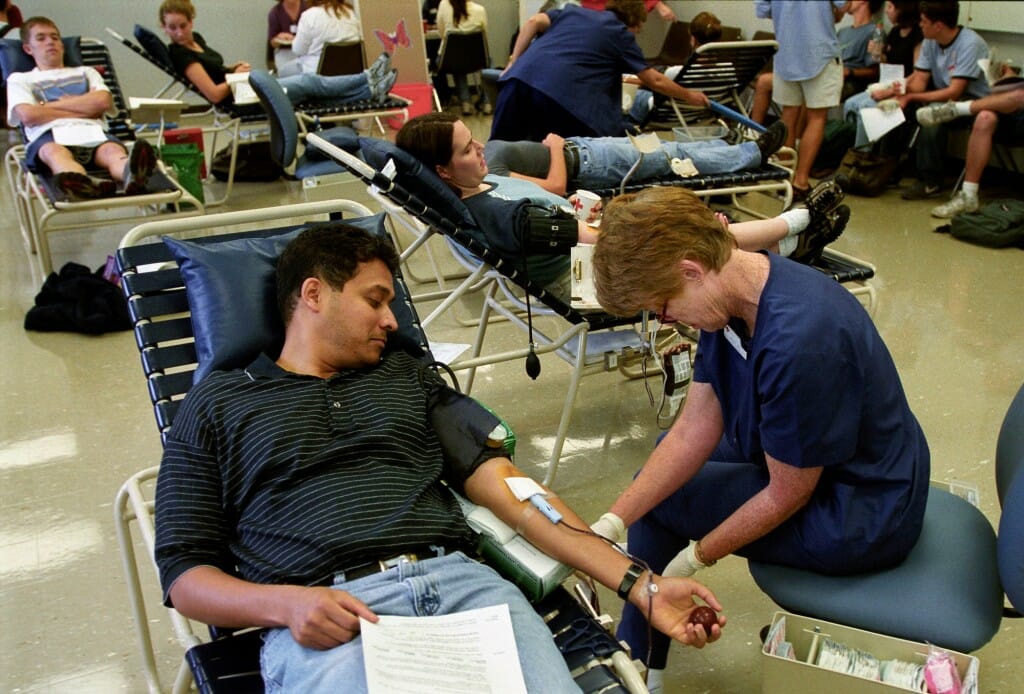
<point x="310" y="491"/>
<point x="61" y="109"/>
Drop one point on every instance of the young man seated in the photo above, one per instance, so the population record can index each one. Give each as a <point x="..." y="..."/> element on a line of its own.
<point x="310" y="491"/>
<point x="61" y="110"/>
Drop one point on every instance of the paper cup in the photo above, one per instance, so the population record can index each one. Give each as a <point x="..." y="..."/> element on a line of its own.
<point x="586" y="205"/>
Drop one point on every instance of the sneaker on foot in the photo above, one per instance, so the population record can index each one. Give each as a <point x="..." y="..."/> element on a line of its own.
<point x="380" y="67"/>
<point x="960" y="202"/>
<point x="141" y="164"/>
<point x="468" y="109"/>
<point x="934" y="114"/>
<point x="772" y="139"/>
<point x="79" y="186"/>
<point x="824" y="229"/>
<point x="486" y="108"/>
<point x="827" y="195"/>
<point x="379" y="89"/>
<point x="922" y="191"/>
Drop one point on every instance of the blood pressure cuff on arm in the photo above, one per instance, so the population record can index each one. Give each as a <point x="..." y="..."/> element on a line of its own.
<point x="547" y="231"/>
<point x="464" y="427"/>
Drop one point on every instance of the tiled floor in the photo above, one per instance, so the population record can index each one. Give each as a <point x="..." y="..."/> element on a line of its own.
<point x="75" y="422"/>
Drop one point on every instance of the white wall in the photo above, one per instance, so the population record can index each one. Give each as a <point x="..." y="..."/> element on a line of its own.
<point x="238" y="27"/>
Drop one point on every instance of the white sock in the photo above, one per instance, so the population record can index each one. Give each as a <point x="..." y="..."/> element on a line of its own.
<point x="796" y="219"/>
<point x="963" y="108"/>
<point x="970" y="190"/>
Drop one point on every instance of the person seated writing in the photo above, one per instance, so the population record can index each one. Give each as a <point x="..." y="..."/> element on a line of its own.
<point x="61" y="110"/>
<point x="206" y="70"/>
<point x="562" y="164"/>
<point x="796" y="444"/>
<point x="503" y="206"/>
<point x="309" y="491"/>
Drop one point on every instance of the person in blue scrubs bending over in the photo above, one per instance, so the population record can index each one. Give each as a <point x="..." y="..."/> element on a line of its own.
<point x="795" y="446"/>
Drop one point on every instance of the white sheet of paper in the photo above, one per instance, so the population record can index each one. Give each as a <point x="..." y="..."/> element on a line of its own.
<point x="241" y="90"/>
<point x="887" y="72"/>
<point x="447" y="352"/>
<point x="78" y="133"/>
<point x="878" y="122"/>
<point x="471" y="652"/>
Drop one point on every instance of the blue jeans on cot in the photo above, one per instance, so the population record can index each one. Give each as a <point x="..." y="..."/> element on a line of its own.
<point x="605" y="161"/>
<point x="449" y="584"/>
<point x="308" y="87"/>
<point x="851" y="113"/>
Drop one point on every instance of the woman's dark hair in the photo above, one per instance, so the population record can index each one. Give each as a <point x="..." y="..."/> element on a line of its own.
<point x="331" y="252"/>
<point x="459" y="11"/>
<point x="908" y="13"/>
<point x="705" y="28"/>
<point x="429" y="138"/>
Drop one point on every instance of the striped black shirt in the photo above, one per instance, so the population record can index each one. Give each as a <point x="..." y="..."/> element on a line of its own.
<point x="291" y="479"/>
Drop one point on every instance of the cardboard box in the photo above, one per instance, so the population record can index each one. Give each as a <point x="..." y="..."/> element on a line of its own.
<point x="781" y="674"/>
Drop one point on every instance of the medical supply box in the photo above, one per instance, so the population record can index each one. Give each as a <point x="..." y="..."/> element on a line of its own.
<point x="804" y="634"/>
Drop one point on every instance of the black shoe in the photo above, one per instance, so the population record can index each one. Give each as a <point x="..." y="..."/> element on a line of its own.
<point x="827" y="195"/>
<point x="922" y="191"/>
<point x="79" y="186"/>
<point x="825" y="227"/>
<point x="141" y="164"/>
<point x="772" y="139"/>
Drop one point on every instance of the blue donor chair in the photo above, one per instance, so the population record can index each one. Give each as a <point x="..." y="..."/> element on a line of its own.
<point x="1010" y="487"/>
<point x="946" y="592"/>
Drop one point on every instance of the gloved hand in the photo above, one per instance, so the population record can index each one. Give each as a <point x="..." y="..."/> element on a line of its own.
<point x="611" y="527"/>
<point x="685" y="564"/>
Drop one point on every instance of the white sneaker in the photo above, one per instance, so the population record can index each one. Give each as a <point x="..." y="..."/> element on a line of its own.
<point x="957" y="204"/>
<point x="934" y="114"/>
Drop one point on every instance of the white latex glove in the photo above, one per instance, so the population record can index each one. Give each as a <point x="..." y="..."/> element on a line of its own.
<point x="610" y="527"/>
<point x="685" y="564"/>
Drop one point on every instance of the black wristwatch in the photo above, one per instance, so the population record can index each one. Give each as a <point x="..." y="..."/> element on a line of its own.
<point x="634" y="572"/>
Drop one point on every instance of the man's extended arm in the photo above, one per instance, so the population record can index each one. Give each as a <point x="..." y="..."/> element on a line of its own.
<point x="571" y="542"/>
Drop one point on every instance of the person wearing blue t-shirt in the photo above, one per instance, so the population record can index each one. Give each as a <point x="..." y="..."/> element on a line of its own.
<point x="946" y="70"/>
<point x="569" y="81"/>
<point x="796" y="444"/>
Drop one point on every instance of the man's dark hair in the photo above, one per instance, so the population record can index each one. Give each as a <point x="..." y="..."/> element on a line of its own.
<point x="945" y="11"/>
<point x="330" y="252"/>
<point x="25" y="32"/>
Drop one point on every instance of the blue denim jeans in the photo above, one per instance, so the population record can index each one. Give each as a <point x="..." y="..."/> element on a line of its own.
<point x="851" y="113"/>
<point x="308" y="87"/>
<point x="605" y="161"/>
<point x="446" y="585"/>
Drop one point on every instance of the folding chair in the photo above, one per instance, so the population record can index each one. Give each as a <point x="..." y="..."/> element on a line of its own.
<point x="462" y="53"/>
<point x="722" y="70"/>
<point x="41" y="207"/>
<point x="172" y="351"/>
<point x="341" y="58"/>
<point x="592" y="342"/>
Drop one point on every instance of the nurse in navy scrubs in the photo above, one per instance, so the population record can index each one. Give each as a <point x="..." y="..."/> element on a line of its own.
<point x="796" y="444"/>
